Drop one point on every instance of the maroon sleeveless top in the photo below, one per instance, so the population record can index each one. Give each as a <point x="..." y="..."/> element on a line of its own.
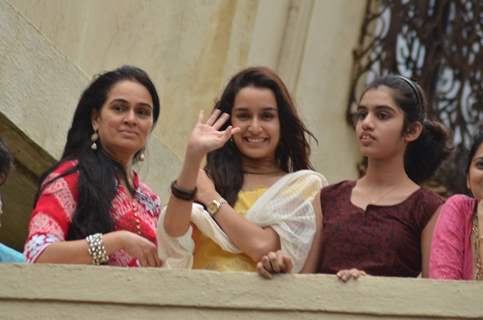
<point x="382" y="240"/>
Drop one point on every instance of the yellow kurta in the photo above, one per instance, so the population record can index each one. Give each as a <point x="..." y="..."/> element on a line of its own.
<point x="208" y="255"/>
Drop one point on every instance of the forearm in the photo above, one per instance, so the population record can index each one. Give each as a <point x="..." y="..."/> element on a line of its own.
<point x="204" y="138"/>
<point x="77" y="251"/>
<point x="426" y="238"/>
<point x="250" y="238"/>
<point x="312" y="262"/>
<point x="178" y="211"/>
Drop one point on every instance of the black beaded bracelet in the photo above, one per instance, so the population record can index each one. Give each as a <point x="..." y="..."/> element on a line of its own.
<point x="182" y="194"/>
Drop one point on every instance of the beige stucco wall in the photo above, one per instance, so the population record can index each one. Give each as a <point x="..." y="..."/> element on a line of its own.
<point x="89" y="292"/>
<point x="191" y="48"/>
<point x="50" y="49"/>
<point x="184" y="45"/>
<point x="323" y="85"/>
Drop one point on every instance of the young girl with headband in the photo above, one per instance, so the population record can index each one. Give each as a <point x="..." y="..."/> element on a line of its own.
<point x="382" y="223"/>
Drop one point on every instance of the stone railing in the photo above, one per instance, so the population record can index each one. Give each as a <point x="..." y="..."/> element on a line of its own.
<point x="88" y="292"/>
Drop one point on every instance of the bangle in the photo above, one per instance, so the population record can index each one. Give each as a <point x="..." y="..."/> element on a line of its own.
<point x="96" y="249"/>
<point x="181" y="193"/>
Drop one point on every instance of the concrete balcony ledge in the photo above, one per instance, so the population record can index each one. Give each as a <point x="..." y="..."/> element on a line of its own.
<point x="89" y="292"/>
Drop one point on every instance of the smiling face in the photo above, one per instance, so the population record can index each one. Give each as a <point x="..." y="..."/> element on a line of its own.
<point x="125" y="120"/>
<point x="380" y="124"/>
<point x="255" y="112"/>
<point x="475" y="174"/>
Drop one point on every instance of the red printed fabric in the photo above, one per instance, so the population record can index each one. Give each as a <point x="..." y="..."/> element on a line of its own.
<point x="57" y="203"/>
<point x="382" y="240"/>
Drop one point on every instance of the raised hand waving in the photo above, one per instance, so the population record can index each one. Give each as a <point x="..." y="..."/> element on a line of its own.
<point x="206" y="136"/>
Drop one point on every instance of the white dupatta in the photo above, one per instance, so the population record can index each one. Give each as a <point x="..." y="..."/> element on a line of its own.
<point x="286" y="207"/>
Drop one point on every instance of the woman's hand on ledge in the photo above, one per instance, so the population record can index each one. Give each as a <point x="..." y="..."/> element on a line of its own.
<point x="141" y="248"/>
<point x="77" y="251"/>
<point x="347" y="274"/>
<point x="274" y="262"/>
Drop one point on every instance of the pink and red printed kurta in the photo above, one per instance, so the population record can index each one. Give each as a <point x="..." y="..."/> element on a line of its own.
<point x="57" y="203"/>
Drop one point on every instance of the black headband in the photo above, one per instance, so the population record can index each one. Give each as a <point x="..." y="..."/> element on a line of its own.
<point x="417" y="93"/>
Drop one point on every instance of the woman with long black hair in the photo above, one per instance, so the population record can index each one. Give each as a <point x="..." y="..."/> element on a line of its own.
<point x="91" y="206"/>
<point x="255" y="194"/>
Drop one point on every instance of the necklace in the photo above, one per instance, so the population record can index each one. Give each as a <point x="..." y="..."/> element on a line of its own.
<point x="382" y="196"/>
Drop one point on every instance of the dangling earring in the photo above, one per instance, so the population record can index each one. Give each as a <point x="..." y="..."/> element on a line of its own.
<point x="94" y="138"/>
<point x="141" y="156"/>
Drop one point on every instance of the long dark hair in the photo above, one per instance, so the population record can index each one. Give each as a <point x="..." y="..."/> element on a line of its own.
<point x="224" y="165"/>
<point x="97" y="184"/>
<point x="477" y="141"/>
<point x="424" y="155"/>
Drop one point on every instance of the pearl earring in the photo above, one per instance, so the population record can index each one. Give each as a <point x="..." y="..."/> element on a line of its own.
<point x="141" y="157"/>
<point x="94" y="138"/>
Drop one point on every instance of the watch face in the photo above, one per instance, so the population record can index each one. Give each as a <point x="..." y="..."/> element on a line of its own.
<point x="213" y="206"/>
